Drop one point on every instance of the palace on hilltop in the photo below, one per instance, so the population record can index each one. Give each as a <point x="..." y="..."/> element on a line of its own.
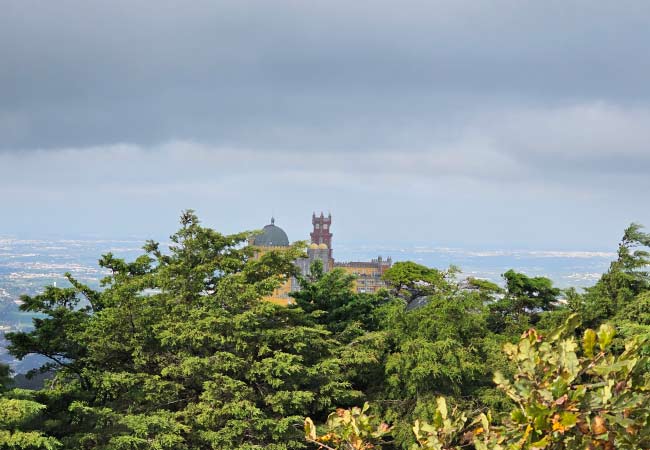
<point x="368" y="273"/>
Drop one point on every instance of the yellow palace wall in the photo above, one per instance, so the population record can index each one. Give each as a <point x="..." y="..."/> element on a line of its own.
<point x="280" y="295"/>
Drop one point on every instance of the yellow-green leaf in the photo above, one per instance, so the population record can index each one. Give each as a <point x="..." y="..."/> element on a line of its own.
<point x="606" y="334"/>
<point x="442" y="406"/>
<point x="310" y="429"/>
<point x="589" y="342"/>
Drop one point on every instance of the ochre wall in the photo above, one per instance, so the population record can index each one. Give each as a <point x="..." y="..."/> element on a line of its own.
<point x="280" y="296"/>
<point x="368" y="278"/>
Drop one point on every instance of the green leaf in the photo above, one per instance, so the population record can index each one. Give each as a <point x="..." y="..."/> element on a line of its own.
<point x="500" y="380"/>
<point x="541" y="444"/>
<point x="310" y="429"/>
<point x="606" y="334"/>
<point x="442" y="406"/>
<point x="589" y="342"/>
<point x="568" y="419"/>
<point x="570" y="324"/>
<point x="518" y="416"/>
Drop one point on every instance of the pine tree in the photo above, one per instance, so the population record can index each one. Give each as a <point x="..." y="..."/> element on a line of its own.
<point x="179" y="351"/>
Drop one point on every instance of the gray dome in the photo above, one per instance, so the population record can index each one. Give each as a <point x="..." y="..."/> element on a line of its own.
<point x="272" y="236"/>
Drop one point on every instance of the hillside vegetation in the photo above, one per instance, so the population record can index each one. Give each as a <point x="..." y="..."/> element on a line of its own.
<point x="178" y="350"/>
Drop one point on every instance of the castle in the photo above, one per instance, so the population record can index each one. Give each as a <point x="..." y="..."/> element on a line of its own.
<point x="368" y="273"/>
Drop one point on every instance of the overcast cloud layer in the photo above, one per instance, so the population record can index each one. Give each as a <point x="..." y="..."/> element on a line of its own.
<point x="496" y="123"/>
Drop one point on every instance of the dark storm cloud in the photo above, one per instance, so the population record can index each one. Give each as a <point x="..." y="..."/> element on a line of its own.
<point x="292" y="74"/>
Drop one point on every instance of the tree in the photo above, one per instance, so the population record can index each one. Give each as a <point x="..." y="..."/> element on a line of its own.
<point x="487" y="290"/>
<point x="352" y="318"/>
<point x="410" y="280"/>
<point x="524" y="299"/>
<point x="56" y="336"/>
<point x="628" y="277"/>
<point x="19" y="416"/>
<point x="576" y="395"/>
<point x="5" y="377"/>
<point x="441" y="348"/>
<point x="179" y="351"/>
<point x="331" y="299"/>
<point x="567" y="395"/>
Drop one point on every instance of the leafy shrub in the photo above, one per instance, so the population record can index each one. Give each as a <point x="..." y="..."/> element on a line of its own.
<point x="567" y="395"/>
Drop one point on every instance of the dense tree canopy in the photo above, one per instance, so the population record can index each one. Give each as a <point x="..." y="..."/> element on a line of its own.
<point x="331" y="301"/>
<point x="178" y="350"/>
<point x="5" y="377"/>
<point x="566" y="395"/>
<point x="522" y="302"/>
<point x="627" y="278"/>
<point x="410" y="280"/>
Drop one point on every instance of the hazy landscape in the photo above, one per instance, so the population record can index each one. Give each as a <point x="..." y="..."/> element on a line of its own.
<point x="27" y="265"/>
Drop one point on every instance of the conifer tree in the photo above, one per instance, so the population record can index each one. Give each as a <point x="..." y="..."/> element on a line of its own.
<point x="179" y="351"/>
<point x="627" y="278"/>
<point x="19" y="418"/>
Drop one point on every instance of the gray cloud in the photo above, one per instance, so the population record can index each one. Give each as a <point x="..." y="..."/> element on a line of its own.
<point x="531" y="145"/>
<point x="485" y="186"/>
<point x="592" y="138"/>
<point x="289" y="73"/>
<point x="480" y="121"/>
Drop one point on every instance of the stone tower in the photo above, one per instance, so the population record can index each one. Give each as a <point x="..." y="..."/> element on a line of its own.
<point x="321" y="233"/>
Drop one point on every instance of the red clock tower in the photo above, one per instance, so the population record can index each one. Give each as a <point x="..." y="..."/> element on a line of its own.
<point x="321" y="233"/>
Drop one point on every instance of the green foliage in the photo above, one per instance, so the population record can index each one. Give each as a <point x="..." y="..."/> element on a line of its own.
<point x="19" y="418"/>
<point x="627" y="278"/>
<point x="436" y="347"/>
<point x="179" y="351"/>
<point x="332" y="302"/>
<point x="352" y="318"/>
<point x="444" y="430"/>
<point x="567" y="395"/>
<point x="19" y="422"/>
<point x="637" y="311"/>
<point x="353" y="429"/>
<point x="487" y="290"/>
<point x="577" y="395"/>
<point x="410" y="280"/>
<point x="530" y="293"/>
<point x="5" y="377"/>
<point x="348" y="429"/>
<point x="55" y="336"/>
<point x="441" y="348"/>
<point x="525" y="297"/>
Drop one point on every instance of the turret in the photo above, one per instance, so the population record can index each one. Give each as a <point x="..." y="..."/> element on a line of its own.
<point x="321" y="234"/>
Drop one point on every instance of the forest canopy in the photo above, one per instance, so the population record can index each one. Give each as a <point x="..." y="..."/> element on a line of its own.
<point x="178" y="350"/>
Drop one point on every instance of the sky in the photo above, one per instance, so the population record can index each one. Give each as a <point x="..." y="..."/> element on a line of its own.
<point x="501" y="123"/>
